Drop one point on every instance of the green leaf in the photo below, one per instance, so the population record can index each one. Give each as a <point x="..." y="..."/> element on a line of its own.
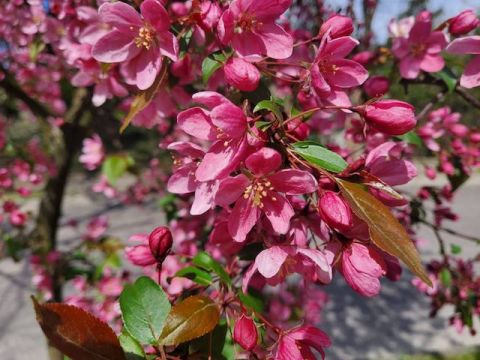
<point x="115" y="166"/>
<point x="263" y="125"/>
<point x="411" y="138"/>
<point x="448" y="78"/>
<point x="385" y="230"/>
<point x="205" y="261"/>
<point x="189" y="319"/>
<point x="210" y="64"/>
<point x="446" y="277"/>
<point x="318" y="155"/>
<point x="196" y="275"/>
<point x="455" y="249"/>
<point x="132" y="348"/>
<point x="145" y="308"/>
<point x="252" y="300"/>
<point x="271" y="106"/>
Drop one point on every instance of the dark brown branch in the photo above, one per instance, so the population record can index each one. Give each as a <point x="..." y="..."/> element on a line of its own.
<point x="472" y="100"/>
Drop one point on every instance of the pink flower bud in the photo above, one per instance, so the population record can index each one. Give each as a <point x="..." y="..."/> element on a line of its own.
<point x="160" y="242"/>
<point x="335" y="211"/>
<point x="376" y="86"/>
<point x="245" y="333"/>
<point x="299" y="129"/>
<point x="392" y="117"/>
<point x="241" y="74"/>
<point x="18" y="218"/>
<point x="337" y="26"/>
<point x="364" y="57"/>
<point x="463" y="23"/>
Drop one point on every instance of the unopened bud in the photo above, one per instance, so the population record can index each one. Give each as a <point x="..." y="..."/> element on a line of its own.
<point x="335" y="211"/>
<point x="160" y="242"/>
<point x="245" y="333"/>
<point x="337" y="26"/>
<point x="241" y="74"/>
<point x="463" y="23"/>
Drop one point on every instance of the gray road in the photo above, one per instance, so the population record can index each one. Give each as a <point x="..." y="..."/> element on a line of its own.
<point x="396" y="322"/>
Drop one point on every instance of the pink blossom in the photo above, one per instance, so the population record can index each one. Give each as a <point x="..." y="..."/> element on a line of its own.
<point x="463" y="23"/>
<point x="140" y="254"/>
<point x="225" y="124"/>
<point x="376" y="86"/>
<point x="241" y="74"/>
<point x="249" y="26"/>
<point x="275" y="263"/>
<point x="96" y="228"/>
<point x="160" y="242"/>
<point x="261" y="192"/>
<point x="331" y="74"/>
<point x="245" y="332"/>
<point x="138" y="42"/>
<point x="18" y="218"/>
<point x="92" y="152"/>
<point x="401" y="28"/>
<point x="335" y="211"/>
<point x="336" y="26"/>
<point x="421" y="50"/>
<point x="468" y="45"/>
<point x="296" y="344"/>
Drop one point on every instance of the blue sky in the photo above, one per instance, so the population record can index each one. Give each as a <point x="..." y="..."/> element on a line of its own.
<point x="388" y="9"/>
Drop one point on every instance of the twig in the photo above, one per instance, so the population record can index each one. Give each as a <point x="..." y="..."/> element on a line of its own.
<point x="451" y="232"/>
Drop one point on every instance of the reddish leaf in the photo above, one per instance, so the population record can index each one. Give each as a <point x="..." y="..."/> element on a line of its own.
<point x="76" y="333"/>
<point x="385" y="230"/>
<point x="189" y="319"/>
<point x="143" y="98"/>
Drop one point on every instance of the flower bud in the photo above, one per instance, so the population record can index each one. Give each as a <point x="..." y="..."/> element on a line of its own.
<point x="335" y="211"/>
<point x="376" y="86"/>
<point x="463" y="23"/>
<point x="241" y="74"/>
<point x="245" y="333"/>
<point x="337" y="26"/>
<point x="392" y="117"/>
<point x="299" y="129"/>
<point x="160" y="242"/>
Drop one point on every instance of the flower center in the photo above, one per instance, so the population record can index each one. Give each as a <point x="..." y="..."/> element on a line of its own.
<point x="417" y="49"/>
<point x="247" y="22"/>
<point x="145" y="37"/>
<point x="327" y="67"/>
<point x="258" y="190"/>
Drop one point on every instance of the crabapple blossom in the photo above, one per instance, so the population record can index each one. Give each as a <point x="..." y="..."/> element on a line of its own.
<point x="463" y="23"/>
<point x="92" y="152"/>
<point x="296" y="344"/>
<point x="245" y="332"/>
<point x="468" y="45"/>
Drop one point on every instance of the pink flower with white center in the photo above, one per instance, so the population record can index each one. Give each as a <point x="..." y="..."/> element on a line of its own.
<point x="468" y="45"/>
<point x="183" y="180"/>
<point x="226" y="124"/>
<point x="262" y="192"/>
<point x="139" y="42"/>
<point x="275" y="263"/>
<point x="92" y="152"/>
<point x="249" y="26"/>
<point x="331" y="74"/>
<point x="421" y="50"/>
<point x="296" y="344"/>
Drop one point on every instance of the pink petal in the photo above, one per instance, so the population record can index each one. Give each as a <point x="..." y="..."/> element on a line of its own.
<point x="231" y="189"/>
<point x="266" y="10"/>
<point x="196" y="122"/>
<point x="394" y="172"/>
<point x="248" y="43"/>
<point x="270" y="261"/>
<point x="420" y="31"/>
<point x="288" y="350"/>
<point x="120" y="16"/>
<point x="210" y="99"/>
<point x="436" y="42"/>
<point x="148" y="65"/>
<point x="293" y="182"/>
<point x="410" y="67"/>
<point x="225" y="27"/>
<point x="278" y="43"/>
<point x="221" y="159"/>
<point x="230" y="119"/>
<point x="204" y="196"/>
<point x="182" y="180"/>
<point x="432" y="63"/>
<point x="471" y="75"/>
<point x="465" y="45"/>
<point x="278" y="211"/>
<point x="318" y="81"/>
<point x="187" y="149"/>
<point x="348" y="74"/>
<point x="169" y="45"/>
<point x="115" y="47"/>
<point x="339" y="47"/>
<point x="312" y="336"/>
<point x="324" y="271"/>
<point x="367" y="260"/>
<point x="154" y="12"/>
<point x="243" y="218"/>
<point x="264" y="161"/>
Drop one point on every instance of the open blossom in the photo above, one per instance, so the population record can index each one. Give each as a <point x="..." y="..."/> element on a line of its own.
<point x="361" y="265"/>
<point x="296" y="344"/>
<point x="92" y="152"/>
<point x="262" y="192"/>
<point x="275" y="263"/>
<point x="249" y="26"/>
<point x="139" y="42"/>
<point x="225" y="124"/>
<point x="421" y="50"/>
<point x="331" y="74"/>
<point x="468" y="45"/>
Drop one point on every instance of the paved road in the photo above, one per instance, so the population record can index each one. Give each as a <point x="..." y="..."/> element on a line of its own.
<point x="396" y="322"/>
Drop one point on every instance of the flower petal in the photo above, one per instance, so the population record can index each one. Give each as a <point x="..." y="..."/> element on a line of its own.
<point x="471" y="75"/>
<point x="465" y="45"/>
<point x="196" y="122"/>
<point x="204" y="196"/>
<point x="278" y="211"/>
<point x="231" y="189"/>
<point x="243" y="218"/>
<point x="277" y="42"/>
<point x="230" y="119"/>
<point x="264" y="161"/>
<point x="293" y="182"/>
<point x="154" y="12"/>
<point x="270" y="261"/>
<point x="119" y="15"/>
<point x="115" y="47"/>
